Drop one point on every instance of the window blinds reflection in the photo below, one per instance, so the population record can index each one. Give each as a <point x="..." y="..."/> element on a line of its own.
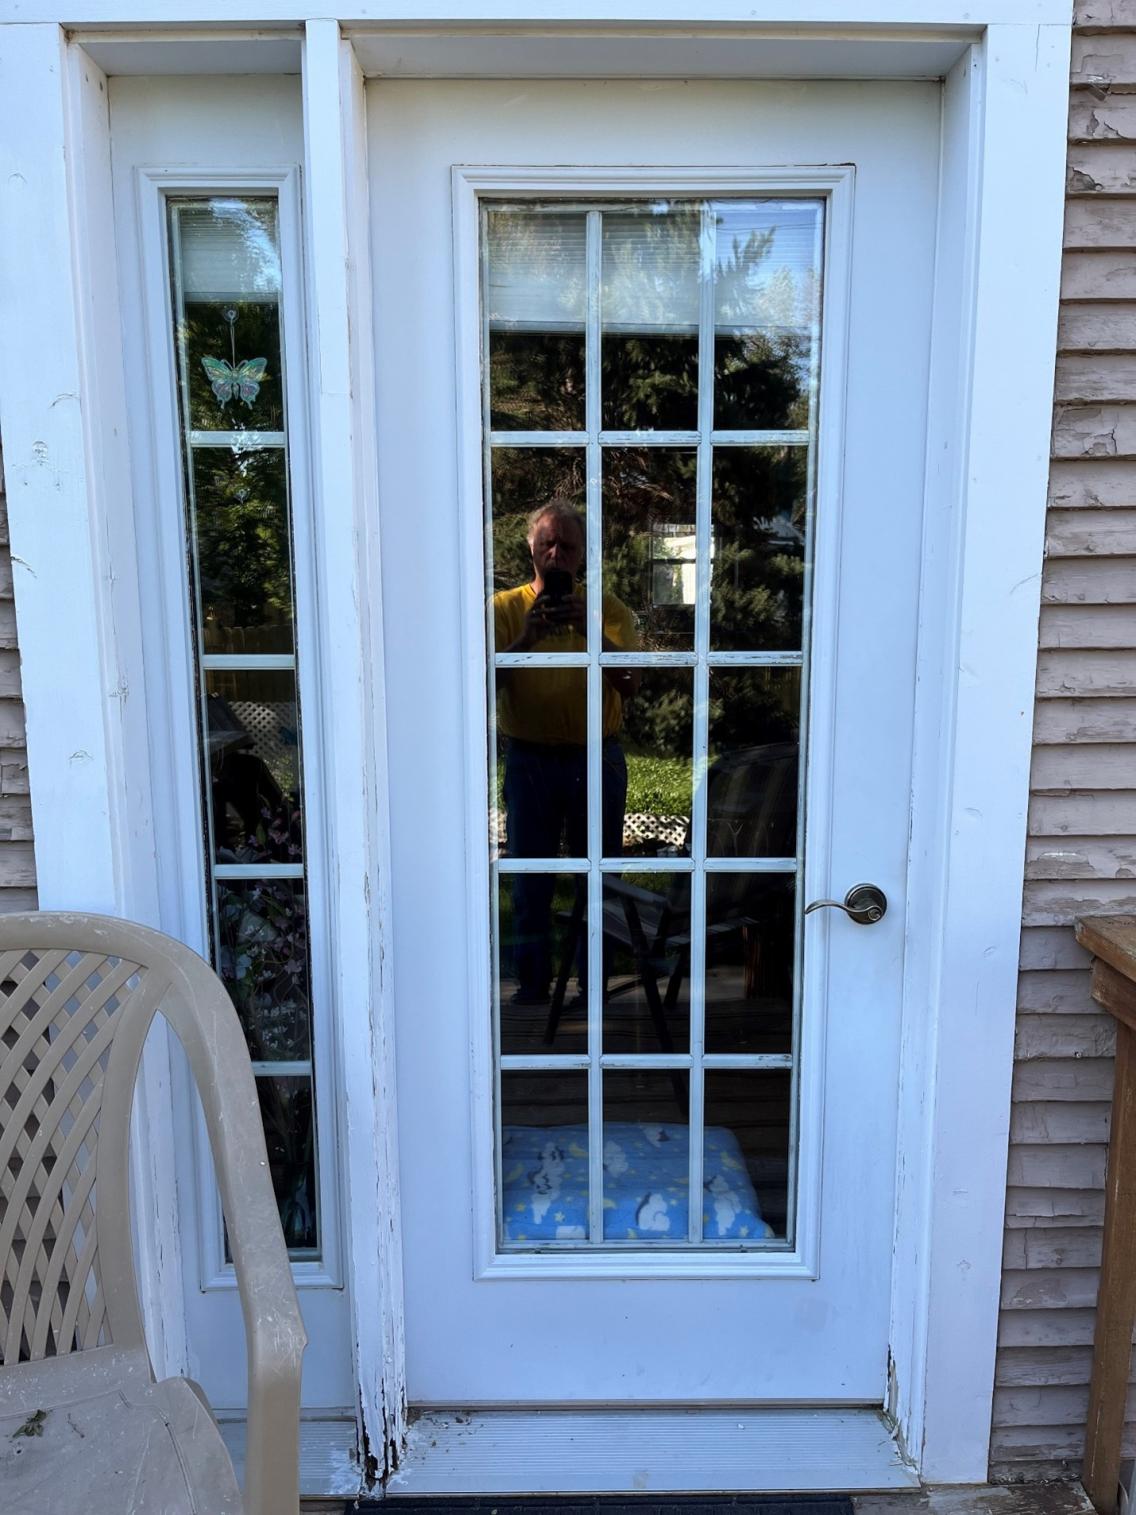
<point x="227" y="250"/>
<point x="537" y="276"/>
<point x="767" y="264"/>
<point x="650" y="270"/>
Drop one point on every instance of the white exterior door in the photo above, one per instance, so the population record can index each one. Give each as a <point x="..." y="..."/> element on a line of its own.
<point x="609" y="814"/>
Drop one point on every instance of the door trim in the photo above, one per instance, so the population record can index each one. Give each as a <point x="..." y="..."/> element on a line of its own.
<point x="990" y="403"/>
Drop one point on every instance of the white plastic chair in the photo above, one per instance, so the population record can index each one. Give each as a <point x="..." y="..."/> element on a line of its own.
<point x="83" y="1425"/>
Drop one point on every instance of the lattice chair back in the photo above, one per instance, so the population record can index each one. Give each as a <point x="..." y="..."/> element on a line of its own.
<point x="61" y="1006"/>
<point x="78" y="994"/>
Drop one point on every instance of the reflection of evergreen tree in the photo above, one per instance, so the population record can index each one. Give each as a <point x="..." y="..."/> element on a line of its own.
<point x="761" y="381"/>
<point x="759" y="541"/>
<point x="753" y="706"/>
<point x="241" y="520"/>
<point x="537" y="380"/>
<point x="659" y="722"/>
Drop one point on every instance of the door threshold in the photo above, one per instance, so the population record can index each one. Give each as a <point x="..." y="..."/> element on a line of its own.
<point x="775" y="1450"/>
<point x="329" y="1459"/>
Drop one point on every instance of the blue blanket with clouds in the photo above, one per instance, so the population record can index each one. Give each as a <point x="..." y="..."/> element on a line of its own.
<point x="544" y="1172"/>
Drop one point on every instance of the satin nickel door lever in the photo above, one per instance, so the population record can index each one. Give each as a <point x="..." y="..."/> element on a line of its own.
<point x="864" y="903"/>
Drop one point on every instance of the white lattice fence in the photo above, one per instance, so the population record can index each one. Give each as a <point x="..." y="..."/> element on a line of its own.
<point x="639" y="827"/>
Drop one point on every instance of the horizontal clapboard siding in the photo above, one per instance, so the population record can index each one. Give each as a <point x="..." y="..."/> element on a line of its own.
<point x="17" y="856"/>
<point x="1081" y="853"/>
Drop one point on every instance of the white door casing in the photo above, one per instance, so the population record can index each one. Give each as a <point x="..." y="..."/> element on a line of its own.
<point x="805" y="1324"/>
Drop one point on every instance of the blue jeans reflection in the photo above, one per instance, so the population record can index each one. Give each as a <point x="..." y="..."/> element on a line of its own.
<point x="546" y="815"/>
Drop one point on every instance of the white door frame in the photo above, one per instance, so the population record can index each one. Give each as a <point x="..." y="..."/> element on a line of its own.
<point x="62" y="404"/>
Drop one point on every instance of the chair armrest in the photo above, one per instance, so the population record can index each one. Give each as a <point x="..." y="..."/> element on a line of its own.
<point x="274" y="1327"/>
<point x="206" y="1023"/>
<point x="276" y="1339"/>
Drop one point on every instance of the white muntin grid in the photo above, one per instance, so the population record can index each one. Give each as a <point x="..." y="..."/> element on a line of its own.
<point x="194" y="442"/>
<point x="593" y="441"/>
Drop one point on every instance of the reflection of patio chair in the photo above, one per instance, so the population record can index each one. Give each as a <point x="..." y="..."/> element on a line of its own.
<point x="656" y="929"/>
<point x="85" y="1424"/>
<point x="751" y="801"/>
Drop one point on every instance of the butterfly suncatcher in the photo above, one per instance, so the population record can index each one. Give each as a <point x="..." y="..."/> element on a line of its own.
<point x="233" y="380"/>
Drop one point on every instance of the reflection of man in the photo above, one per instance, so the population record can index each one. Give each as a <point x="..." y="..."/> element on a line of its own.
<point x="542" y="713"/>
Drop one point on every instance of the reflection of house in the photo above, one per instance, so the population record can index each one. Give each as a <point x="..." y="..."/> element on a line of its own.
<point x="266" y="354"/>
<point x="673" y="563"/>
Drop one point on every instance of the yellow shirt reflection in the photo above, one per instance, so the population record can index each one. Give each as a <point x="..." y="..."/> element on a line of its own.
<point x="550" y="704"/>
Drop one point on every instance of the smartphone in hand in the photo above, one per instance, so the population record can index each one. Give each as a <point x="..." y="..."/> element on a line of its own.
<point x="557" y="584"/>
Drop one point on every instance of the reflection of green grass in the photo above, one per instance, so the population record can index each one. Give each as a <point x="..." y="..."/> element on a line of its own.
<point x="655" y="785"/>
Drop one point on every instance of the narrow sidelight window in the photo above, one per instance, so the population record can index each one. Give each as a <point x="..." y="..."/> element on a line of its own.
<point x="226" y="285"/>
<point x="650" y="374"/>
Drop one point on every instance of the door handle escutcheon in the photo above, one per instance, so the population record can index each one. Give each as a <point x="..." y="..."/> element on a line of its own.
<point x="864" y="903"/>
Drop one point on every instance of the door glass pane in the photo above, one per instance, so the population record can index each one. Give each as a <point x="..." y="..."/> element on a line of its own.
<point x="750" y="937"/>
<point x="649" y="298"/>
<point x="646" y="1157"/>
<point x="648" y="775"/>
<point x="521" y="540"/>
<point x="646" y="962"/>
<point x="536" y="296"/>
<point x="227" y="293"/>
<point x="541" y="766"/>
<point x="522" y="477"/>
<point x="253" y="736"/>
<point x="226" y="268"/>
<point x="262" y="932"/>
<point x="649" y="541"/>
<point x="752" y="781"/>
<point x="289" y="1133"/>
<point x="542" y="948"/>
<point x="759" y="513"/>
<point x="544" y="1158"/>
<point x="240" y="532"/>
<point x="745" y="1188"/>
<point x="648" y="571"/>
<point x="766" y="313"/>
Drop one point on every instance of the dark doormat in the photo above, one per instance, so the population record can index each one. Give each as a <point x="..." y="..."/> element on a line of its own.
<point x="611" y="1504"/>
